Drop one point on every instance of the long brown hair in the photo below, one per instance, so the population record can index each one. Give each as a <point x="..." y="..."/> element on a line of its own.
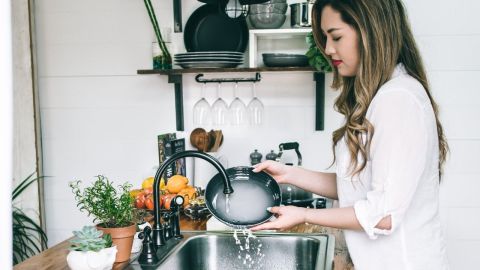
<point x="385" y="39"/>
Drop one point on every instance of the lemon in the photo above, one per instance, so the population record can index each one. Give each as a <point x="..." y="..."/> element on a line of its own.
<point x="148" y="182"/>
<point x="135" y="192"/>
<point x="162" y="184"/>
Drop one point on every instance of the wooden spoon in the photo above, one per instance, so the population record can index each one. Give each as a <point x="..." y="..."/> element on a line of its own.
<point x="218" y="140"/>
<point x="211" y="140"/>
<point x="199" y="139"/>
<point x="212" y="134"/>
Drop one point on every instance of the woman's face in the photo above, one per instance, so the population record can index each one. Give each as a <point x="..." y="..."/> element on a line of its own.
<point x="341" y="43"/>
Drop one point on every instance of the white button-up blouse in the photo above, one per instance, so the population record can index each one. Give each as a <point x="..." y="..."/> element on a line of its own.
<point x="401" y="179"/>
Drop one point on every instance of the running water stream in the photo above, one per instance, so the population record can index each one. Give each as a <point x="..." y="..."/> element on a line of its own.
<point x="227" y="203"/>
<point x="251" y="250"/>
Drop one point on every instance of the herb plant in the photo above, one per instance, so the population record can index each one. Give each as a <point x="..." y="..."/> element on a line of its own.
<point x="28" y="237"/>
<point x="90" y="239"/>
<point x="315" y="58"/>
<point x="111" y="207"/>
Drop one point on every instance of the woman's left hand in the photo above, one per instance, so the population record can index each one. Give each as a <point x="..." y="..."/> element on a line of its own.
<point x="287" y="217"/>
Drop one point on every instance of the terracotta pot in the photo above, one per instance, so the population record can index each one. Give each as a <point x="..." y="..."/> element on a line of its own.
<point x="122" y="238"/>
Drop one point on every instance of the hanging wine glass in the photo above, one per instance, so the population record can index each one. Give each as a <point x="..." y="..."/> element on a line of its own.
<point x="219" y="110"/>
<point x="234" y="9"/>
<point x="202" y="110"/>
<point x="255" y="109"/>
<point x="238" y="110"/>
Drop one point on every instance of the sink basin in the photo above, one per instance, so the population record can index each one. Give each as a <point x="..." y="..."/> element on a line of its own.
<point x="219" y="250"/>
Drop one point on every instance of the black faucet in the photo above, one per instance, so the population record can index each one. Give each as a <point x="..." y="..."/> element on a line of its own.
<point x="158" y="228"/>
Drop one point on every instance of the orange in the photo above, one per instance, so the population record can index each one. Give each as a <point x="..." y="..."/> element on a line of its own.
<point x="176" y="183"/>
<point x="188" y="193"/>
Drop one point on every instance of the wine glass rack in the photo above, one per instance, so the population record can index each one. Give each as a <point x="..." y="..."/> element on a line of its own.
<point x="175" y="76"/>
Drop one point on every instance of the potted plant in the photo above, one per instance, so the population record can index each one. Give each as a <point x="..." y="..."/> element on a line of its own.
<point x="163" y="61"/>
<point x="112" y="209"/>
<point x="91" y="250"/>
<point x="28" y="237"/>
<point x="315" y="57"/>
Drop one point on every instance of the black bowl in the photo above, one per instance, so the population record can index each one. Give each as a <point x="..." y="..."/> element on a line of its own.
<point x="284" y="60"/>
<point x="247" y="205"/>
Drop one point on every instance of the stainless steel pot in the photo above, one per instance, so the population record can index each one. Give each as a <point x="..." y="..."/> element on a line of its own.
<point x="301" y="14"/>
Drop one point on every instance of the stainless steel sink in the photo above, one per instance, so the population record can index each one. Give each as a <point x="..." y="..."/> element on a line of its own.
<point x="219" y="250"/>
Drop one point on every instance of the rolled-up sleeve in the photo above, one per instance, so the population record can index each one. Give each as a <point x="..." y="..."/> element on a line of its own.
<point x="397" y="157"/>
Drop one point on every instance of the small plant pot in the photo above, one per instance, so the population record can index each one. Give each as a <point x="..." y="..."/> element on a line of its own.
<point x="123" y="239"/>
<point x="92" y="260"/>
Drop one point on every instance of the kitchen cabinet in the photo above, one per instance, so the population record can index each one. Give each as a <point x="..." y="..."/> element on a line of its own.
<point x="275" y="36"/>
<point x="175" y="76"/>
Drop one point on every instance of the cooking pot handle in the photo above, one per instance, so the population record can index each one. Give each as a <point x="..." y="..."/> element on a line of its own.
<point x="290" y="146"/>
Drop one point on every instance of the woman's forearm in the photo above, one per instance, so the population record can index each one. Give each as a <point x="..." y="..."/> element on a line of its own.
<point x="323" y="184"/>
<point x="341" y="218"/>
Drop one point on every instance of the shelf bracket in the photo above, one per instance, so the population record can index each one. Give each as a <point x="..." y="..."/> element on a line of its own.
<point x="319" y="78"/>
<point x="199" y="79"/>
<point x="176" y="79"/>
<point x="177" y="16"/>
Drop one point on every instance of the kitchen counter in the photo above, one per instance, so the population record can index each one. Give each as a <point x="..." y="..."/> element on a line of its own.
<point x="55" y="257"/>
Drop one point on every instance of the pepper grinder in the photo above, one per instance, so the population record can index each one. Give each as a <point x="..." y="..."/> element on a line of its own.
<point x="255" y="157"/>
<point x="271" y="156"/>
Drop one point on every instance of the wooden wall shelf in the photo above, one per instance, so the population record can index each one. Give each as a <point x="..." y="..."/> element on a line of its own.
<point x="221" y="70"/>
<point x="175" y="76"/>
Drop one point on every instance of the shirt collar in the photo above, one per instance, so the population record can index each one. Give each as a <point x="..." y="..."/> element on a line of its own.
<point x="399" y="70"/>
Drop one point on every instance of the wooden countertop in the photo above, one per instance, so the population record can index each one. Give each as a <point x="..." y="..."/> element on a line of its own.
<point x="55" y="257"/>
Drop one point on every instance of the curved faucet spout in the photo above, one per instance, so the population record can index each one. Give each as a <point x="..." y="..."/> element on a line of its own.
<point x="227" y="186"/>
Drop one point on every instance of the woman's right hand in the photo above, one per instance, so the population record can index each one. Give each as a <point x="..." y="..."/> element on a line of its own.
<point x="280" y="172"/>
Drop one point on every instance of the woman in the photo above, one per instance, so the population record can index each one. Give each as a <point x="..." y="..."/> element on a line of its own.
<point x="389" y="151"/>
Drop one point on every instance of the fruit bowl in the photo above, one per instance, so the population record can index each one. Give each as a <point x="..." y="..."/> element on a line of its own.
<point x="197" y="212"/>
<point x="197" y="209"/>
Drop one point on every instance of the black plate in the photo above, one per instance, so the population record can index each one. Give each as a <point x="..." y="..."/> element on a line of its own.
<point x="208" y="29"/>
<point x="242" y="2"/>
<point x="253" y="193"/>
<point x="215" y="2"/>
<point x="252" y="2"/>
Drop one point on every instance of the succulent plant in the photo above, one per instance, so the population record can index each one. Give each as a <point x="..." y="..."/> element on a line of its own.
<point x="90" y="239"/>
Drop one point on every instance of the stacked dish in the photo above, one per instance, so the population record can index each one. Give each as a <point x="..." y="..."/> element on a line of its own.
<point x="269" y="15"/>
<point x="218" y="59"/>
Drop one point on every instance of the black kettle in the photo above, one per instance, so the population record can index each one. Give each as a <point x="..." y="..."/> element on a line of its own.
<point x="291" y="193"/>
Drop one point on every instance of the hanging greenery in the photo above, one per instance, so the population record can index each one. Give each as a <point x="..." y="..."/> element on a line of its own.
<point x="315" y="58"/>
<point x="28" y="237"/>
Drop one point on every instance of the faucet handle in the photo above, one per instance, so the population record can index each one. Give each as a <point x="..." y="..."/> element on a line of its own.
<point x="149" y="252"/>
<point x="177" y="202"/>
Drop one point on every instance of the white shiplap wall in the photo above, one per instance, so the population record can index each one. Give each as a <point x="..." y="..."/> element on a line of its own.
<point x="98" y="116"/>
